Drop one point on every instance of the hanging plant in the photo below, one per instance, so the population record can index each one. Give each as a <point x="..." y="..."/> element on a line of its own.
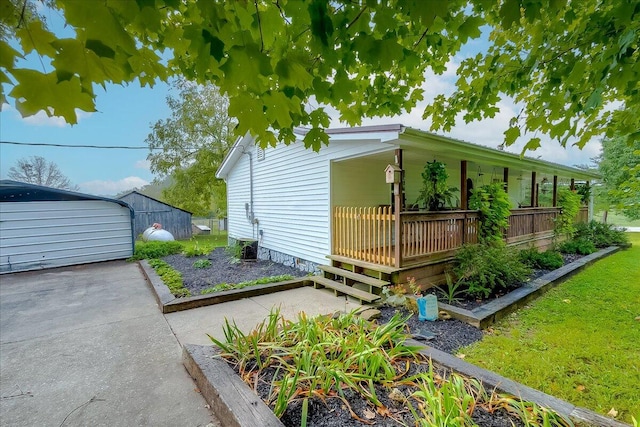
<point x="495" y="207"/>
<point x="435" y="195"/>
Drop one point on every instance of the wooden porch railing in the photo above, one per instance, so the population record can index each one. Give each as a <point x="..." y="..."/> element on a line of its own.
<point x="583" y="215"/>
<point x="431" y="232"/>
<point x="527" y="222"/>
<point x="368" y="234"/>
<point x="365" y="234"/>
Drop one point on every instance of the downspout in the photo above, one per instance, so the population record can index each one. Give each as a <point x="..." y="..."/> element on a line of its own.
<point x="249" y="207"/>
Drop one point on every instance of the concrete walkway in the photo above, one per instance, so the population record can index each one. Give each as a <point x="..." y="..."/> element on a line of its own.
<point x="87" y="346"/>
<point x="192" y="326"/>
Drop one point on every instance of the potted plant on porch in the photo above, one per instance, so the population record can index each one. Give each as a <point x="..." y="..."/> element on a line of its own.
<point x="435" y="194"/>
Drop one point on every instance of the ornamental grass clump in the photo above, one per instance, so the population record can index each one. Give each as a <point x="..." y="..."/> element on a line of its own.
<point x="322" y="356"/>
<point x="345" y="357"/>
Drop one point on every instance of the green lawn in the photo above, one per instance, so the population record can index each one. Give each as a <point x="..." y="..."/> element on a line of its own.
<point x="617" y="219"/>
<point x="213" y="240"/>
<point x="579" y="342"/>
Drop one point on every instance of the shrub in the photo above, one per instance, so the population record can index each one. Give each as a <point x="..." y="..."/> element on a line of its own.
<point x="580" y="246"/>
<point x="494" y="206"/>
<point x="486" y="268"/>
<point x="155" y="249"/>
<point x="548" y="260"/>
<point x="170" y="277"/>
<point x="196" y="250"/>
<point x="202" y="263"/>
<point x="601" y="234"/>
<point x="569" y="204"/>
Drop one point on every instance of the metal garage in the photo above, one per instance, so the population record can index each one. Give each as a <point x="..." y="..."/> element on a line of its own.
<point x="43" y="227"/>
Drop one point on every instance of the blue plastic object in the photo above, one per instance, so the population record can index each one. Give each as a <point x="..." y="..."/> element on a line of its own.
<point x="427" y="308"/>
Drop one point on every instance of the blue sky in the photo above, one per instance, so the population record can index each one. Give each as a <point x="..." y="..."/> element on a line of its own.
<point x="123" y="118"/>
<point x="125" y="115"/>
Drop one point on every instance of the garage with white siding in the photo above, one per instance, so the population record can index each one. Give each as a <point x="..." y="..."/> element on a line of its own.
<point x="43" y="227"/>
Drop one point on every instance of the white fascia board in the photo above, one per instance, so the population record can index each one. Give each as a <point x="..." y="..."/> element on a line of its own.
<point x="234" y="155"/>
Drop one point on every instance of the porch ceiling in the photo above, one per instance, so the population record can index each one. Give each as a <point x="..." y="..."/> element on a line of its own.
<point x="430" y="143"/>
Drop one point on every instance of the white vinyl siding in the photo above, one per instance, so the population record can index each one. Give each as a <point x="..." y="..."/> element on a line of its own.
<point x="291" y="194"/>
<point x="36" y="235"/>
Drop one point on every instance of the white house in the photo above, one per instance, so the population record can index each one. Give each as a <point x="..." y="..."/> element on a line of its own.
<point x="304" y="206"/>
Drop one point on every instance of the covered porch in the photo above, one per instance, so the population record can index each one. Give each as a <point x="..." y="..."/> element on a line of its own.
<point x="377" y="223"/>
<point x="369" y="233"/>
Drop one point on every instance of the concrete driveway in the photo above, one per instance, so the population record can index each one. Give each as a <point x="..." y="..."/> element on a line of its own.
<point x="87" y="346"/>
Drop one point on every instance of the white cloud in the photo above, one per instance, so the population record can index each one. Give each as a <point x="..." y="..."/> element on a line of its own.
<point x="42" y="119"/>
<point x="112" y="187"/>
<point x="488" y="132"/>
<point x="142" y="164"/>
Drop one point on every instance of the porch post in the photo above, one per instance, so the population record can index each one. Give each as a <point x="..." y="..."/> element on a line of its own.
<point x="397" y="194"/>
<point x="555" y="191"/>
<point x="505" y="179"/>
<point x="533" y="189"/>
<point x="591" y="200"/>
<point x="463" y="185"/>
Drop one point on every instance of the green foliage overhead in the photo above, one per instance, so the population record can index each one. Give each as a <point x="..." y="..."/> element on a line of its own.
<point x="189" y="147"/>
<point x="620" y="169"/>
<point x="495" y="207"/>
<point x="565" y="62"/>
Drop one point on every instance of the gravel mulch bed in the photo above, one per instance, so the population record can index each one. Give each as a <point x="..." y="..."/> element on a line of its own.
<point x="446" y="335"/>
<point x="470" y="303"/>
<point x="223" y="269"/>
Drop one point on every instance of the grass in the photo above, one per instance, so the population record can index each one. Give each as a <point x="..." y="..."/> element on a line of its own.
<point x="261" y="281"/>
<point x="205" y="242"/>
<point x="580" y="342"/>
<point x="617" y="219"/>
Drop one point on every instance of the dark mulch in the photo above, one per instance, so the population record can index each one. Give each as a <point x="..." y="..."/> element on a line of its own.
<point x="470" y="303"/>
<point x="334" y="412"/>
<point x="224" y="270"/>
<point x="446" y="335"/>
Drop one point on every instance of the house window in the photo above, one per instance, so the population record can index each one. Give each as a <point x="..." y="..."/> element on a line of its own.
<point x="260" y="153"/>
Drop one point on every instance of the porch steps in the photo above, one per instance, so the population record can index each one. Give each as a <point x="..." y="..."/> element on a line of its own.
<point x="382" y="270"/>
<point x="349" y="277"/>
<point x="341" y="289"/>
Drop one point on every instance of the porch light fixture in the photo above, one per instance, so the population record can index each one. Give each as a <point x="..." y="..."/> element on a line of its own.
<point x="393" y="174"/>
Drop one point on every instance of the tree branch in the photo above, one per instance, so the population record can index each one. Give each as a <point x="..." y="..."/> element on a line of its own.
<point x="357" y="17"/>
<point x="255" y="2"/>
